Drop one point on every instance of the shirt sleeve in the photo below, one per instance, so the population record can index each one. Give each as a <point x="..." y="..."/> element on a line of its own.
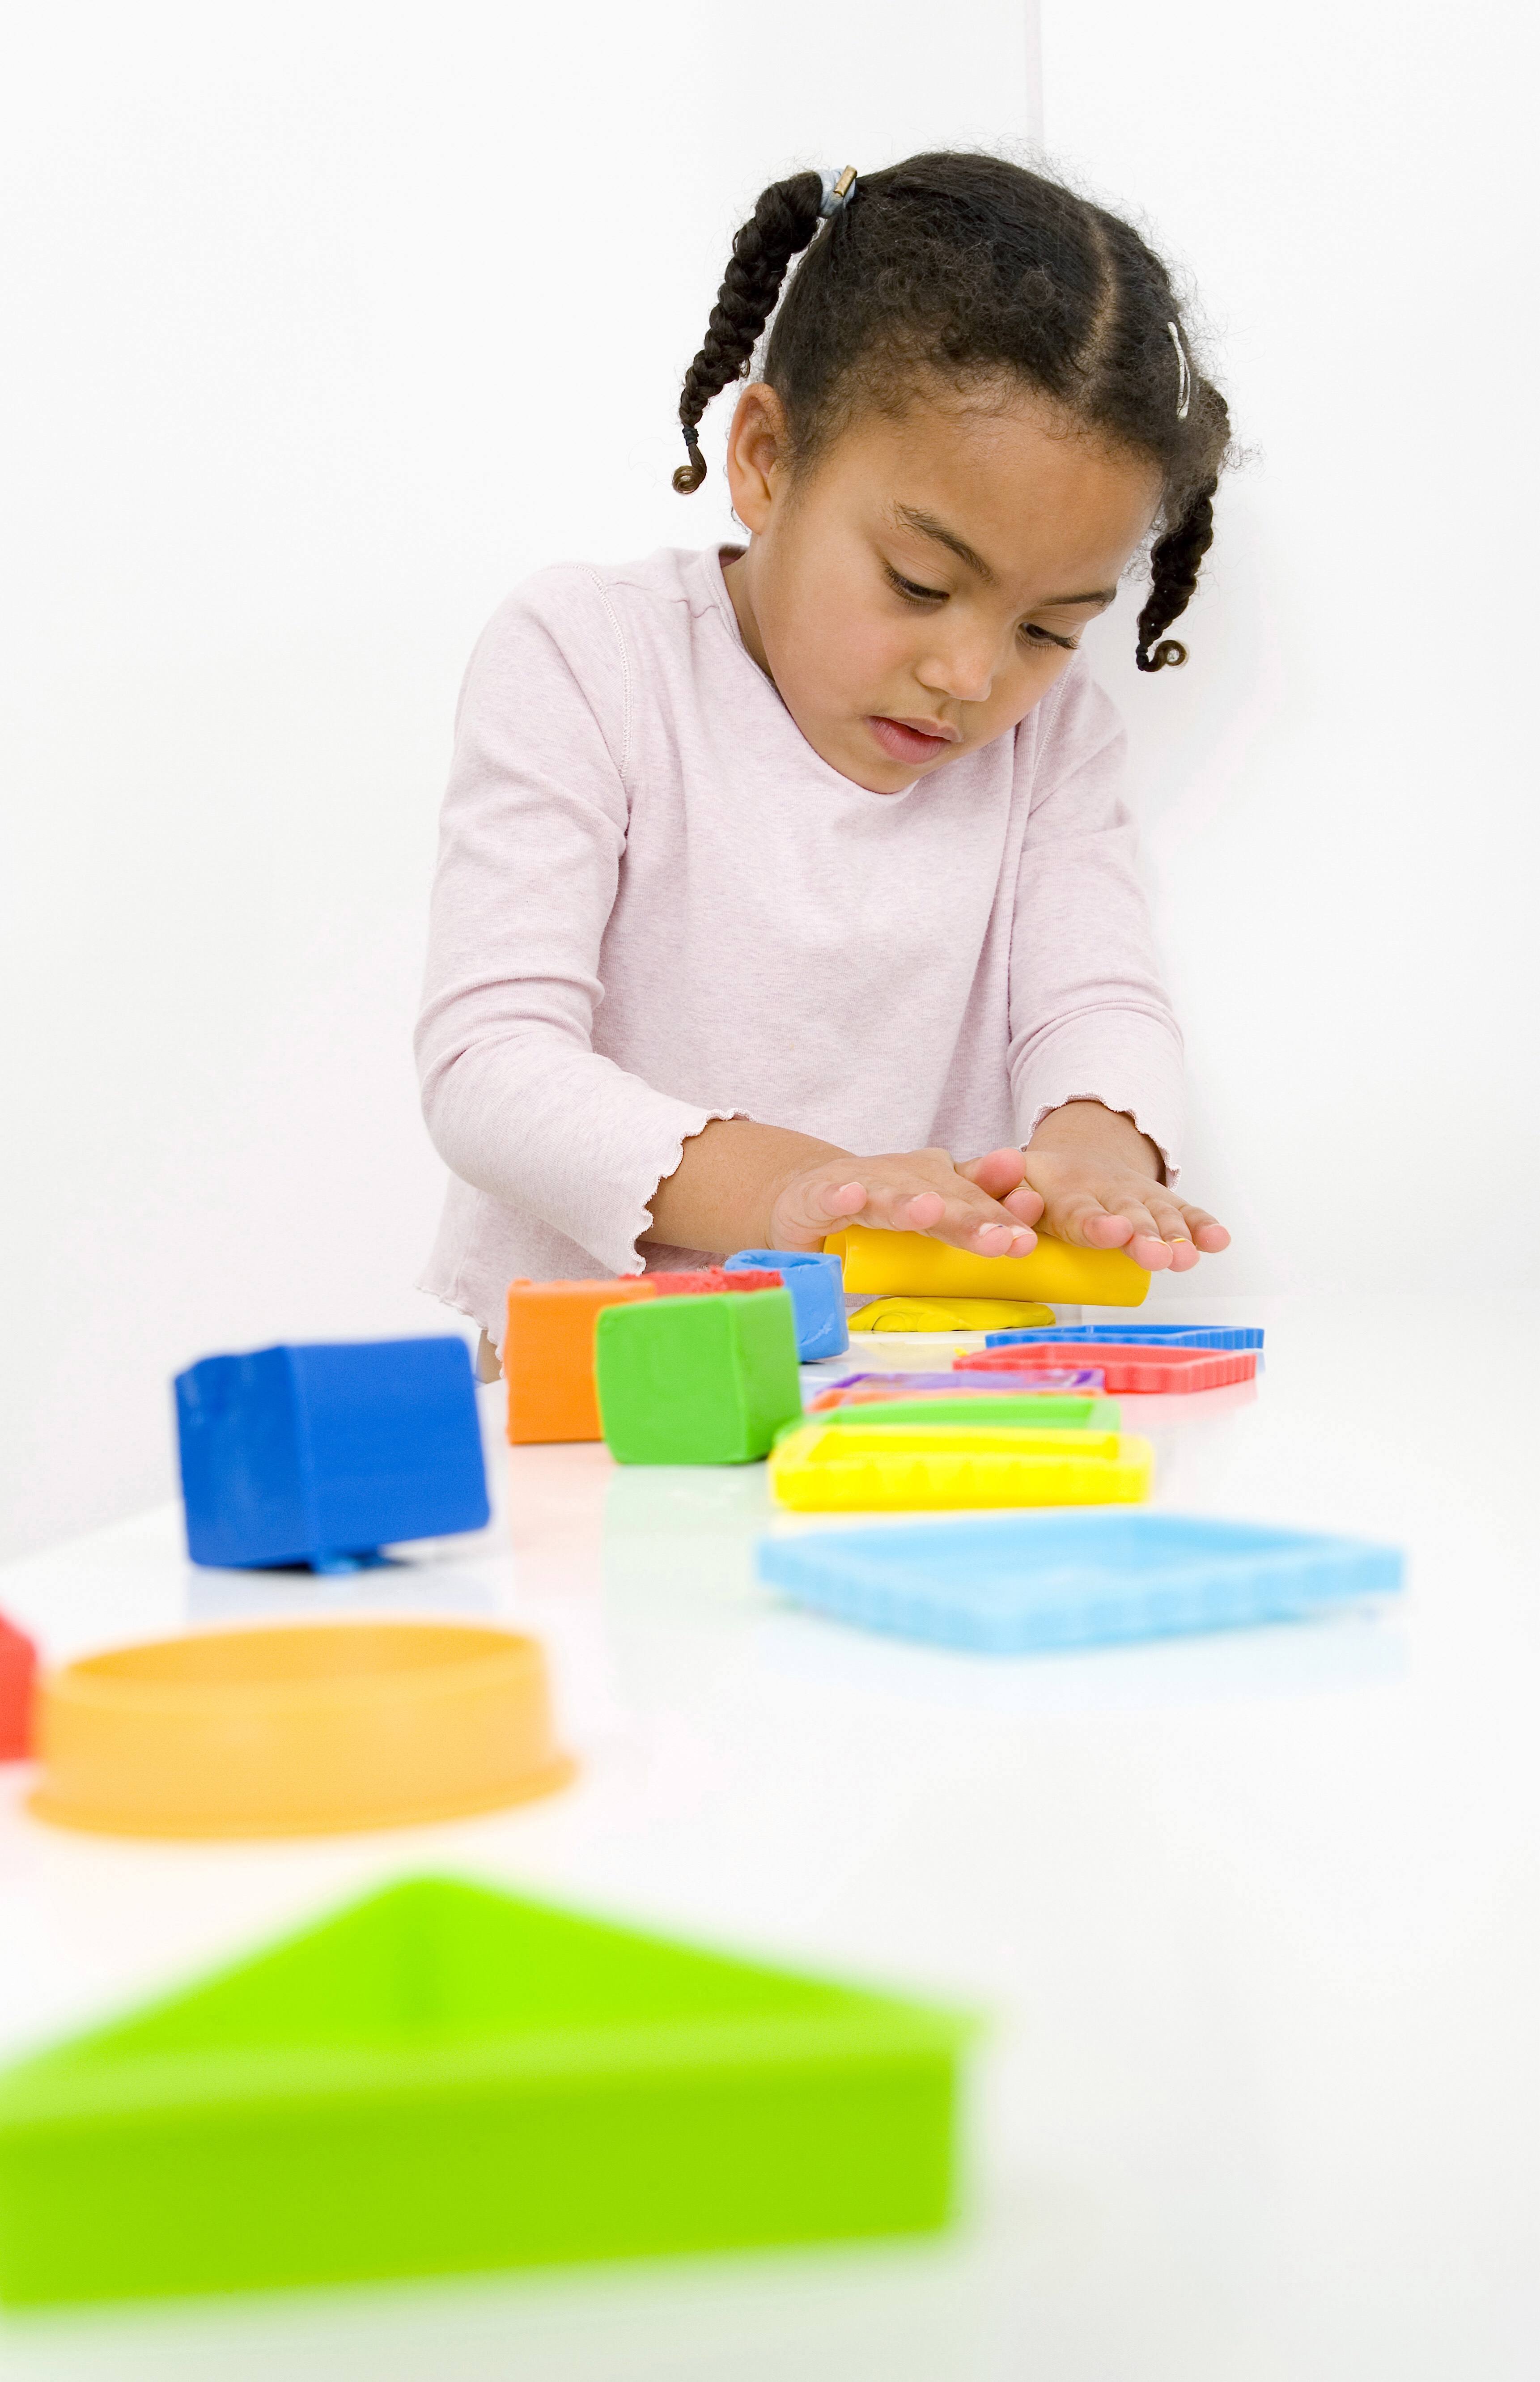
<point x="517" y="1101"/>
<point x="1089" y="1014"/>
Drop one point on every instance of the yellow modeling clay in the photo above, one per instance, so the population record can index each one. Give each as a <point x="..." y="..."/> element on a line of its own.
<point x="911" y="1265"/>
<point x="950" y="1315"/>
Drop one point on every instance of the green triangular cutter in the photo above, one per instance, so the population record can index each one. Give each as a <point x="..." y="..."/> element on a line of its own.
<point x="447" y="2078"/>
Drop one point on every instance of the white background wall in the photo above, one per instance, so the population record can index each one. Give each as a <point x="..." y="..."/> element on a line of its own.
<point x="327" y="323"/>
<point x="1339" y="789"/>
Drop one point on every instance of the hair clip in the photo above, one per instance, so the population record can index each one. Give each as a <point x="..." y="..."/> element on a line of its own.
<point x="837" y="191"/>
<point x="1184" y="386"/>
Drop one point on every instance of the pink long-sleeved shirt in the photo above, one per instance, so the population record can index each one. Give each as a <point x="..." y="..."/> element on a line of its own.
<point x="656" y="906"/>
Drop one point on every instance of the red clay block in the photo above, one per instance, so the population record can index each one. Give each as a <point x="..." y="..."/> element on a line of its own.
<point x="1134" y="1371"/>
<point x="714" y="1278"/>
<point x="18" y="1670"/>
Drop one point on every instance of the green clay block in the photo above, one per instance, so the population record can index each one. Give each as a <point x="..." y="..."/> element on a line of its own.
<point x="969" y="1414"/>
<point x="696" y="1380"/>
<point x="443" y="2078"/>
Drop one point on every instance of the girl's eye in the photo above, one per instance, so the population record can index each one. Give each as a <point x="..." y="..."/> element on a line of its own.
<point x="1047" y="637"/>
<point x="911" y="592"/>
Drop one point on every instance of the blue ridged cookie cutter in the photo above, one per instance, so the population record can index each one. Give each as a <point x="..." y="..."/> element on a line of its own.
<point x="1130" y="1335"/>
<point x="1033" y="1583"/>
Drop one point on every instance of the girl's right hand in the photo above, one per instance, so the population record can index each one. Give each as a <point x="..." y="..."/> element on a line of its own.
<point x="983" y="1207"/>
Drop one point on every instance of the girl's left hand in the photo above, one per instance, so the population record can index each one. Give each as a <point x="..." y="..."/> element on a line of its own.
<point x="1100" y="1183"/>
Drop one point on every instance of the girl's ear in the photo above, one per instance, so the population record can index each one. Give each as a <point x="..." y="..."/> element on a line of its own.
<point x="757" y="447"/>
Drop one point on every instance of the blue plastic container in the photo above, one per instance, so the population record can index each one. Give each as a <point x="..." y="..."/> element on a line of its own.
<point x="323" y="1455"/>
<point x="1132" y="1335"/>
<point x="817" y="1287"/>
<point x="1030" y="1583"/>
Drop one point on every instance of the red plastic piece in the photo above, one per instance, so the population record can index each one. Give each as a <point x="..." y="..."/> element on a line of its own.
<point x="711" y="1278"/>
<point x="18" y="1670"/>
<point x="1134" y="1371"/>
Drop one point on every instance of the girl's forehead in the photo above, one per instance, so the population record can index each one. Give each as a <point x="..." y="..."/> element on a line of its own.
<point x="993" y="484"/>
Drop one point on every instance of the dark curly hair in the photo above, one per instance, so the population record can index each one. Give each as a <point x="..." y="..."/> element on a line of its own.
<point x="968" y="267"/>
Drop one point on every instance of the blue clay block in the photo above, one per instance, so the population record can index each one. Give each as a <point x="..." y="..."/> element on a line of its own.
<point x="817" y="1287"/>
<point x="1033" y="1583"/>
<point x="321" y="1454"/>
<point x="1132" y="1335"/>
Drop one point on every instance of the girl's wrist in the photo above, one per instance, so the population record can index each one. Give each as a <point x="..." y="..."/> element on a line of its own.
<point x="723" y="1193"/>
<point x="1087" y="1128"/>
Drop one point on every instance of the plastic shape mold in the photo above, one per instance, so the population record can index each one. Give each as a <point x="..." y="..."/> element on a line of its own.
<point x="1134" y="1371"/>
<point x="18" y="1672"/>
<point x="697" y="1380"/>
<point x="324" y="1454"/>
<point x="1134" y="1336"/>
<point x="548" y="1355"/>
<point x="823" y="1470"/>
<point x="965" y="1413"/>
<point x="946" y="1314"/>
<point x="1045" y="1581"/>
<point x="912" y="1265"/>
<point x="296" y="1731"/>
<point x="817" y="1296"/>
<point x="443" y="2078"/>
<point x="862" y="1389"/>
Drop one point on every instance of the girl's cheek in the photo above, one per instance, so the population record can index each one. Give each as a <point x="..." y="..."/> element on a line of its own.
<point x="846" y="656"/>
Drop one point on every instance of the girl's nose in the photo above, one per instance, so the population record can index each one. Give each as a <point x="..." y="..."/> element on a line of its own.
<point x="966" y="675"/>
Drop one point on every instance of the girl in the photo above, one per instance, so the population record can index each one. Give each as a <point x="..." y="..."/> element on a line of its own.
<point x="759" y="861"/>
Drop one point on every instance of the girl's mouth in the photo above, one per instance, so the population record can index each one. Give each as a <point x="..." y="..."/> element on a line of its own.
<point x="902" y="741"/>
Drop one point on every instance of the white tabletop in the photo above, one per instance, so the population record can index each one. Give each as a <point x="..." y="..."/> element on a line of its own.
<point x="1255" y="1917"/>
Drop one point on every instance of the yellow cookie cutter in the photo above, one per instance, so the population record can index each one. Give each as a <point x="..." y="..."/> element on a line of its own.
<point x="819" y="1471"/>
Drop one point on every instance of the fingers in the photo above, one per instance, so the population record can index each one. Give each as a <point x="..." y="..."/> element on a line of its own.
<point x="998" y="1172"/>
<point x="833" y="1200"/>
<point x="1025" y="1204"/>
<point x="1207" y="1231"/>
<point x="991" y="1205"/>
<point x="953" y="1207"/>
<point x="978" y="1224"/>
<point x="1151" y="1229"/>
<point x="1079" y="1216"/>
<point x="892" y="1194"/>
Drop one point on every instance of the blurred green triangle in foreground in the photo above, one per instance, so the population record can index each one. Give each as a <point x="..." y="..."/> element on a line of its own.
<point x="443" y="2078"/>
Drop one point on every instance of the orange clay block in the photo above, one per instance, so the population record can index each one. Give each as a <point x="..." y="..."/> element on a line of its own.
<point x="548" y="1355"/>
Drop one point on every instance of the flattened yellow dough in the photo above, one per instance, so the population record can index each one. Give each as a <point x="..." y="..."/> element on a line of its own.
<point x="949" y="1315"/>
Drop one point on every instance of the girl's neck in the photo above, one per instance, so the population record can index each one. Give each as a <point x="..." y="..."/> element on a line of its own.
<point x="736" y="574"/>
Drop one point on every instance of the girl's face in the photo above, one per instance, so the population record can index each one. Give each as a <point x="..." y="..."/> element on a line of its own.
<point x="920" y="586"/>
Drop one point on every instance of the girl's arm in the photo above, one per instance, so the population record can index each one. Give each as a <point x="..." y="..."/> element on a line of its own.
<point x="1095" y="1053"/>
<point x="518" y="1101"/>
<point x="741" y="1186"/>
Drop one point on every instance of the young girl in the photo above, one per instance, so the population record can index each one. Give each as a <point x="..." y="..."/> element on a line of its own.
<point x="760" y="861"/>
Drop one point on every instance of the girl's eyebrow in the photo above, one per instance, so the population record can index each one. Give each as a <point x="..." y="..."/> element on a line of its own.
<point x="925" y="525"/>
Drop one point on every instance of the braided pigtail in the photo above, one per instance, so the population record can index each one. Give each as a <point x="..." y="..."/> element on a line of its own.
<point x="1175" y="562"/>
<point x="785" y="219"/>
<point x="1173" y="576"/>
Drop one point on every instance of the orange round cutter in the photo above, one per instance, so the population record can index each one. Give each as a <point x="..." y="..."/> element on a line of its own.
<point x="296" y="1731"/>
